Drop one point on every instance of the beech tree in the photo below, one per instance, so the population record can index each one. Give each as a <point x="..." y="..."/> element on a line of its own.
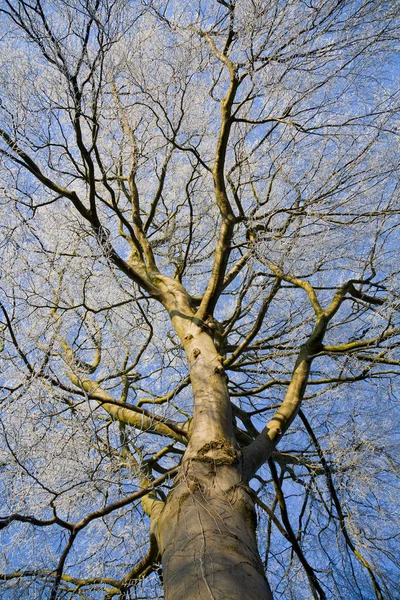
<point x="199" y="299"/>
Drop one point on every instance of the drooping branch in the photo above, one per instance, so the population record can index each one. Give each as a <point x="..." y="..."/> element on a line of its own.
<point x="141" y="570"/>
<point x="60" y="567"/>
<point x="338" y="507"/>
<point x="315" y="585"/>
<point x="5" y="521"/>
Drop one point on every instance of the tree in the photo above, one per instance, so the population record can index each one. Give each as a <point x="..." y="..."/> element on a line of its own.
<point x="199" y="218"/>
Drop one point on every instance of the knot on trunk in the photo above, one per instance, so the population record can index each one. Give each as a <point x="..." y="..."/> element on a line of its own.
<point x="218" y="452"/>
<point x="219" y="369"/>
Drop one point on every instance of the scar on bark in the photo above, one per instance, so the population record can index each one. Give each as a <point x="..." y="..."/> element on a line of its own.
<point x="227" y="455"/>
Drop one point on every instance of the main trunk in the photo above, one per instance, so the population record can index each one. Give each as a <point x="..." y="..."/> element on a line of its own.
<point x="206" y="536"/>
<point x="206" y="531"/>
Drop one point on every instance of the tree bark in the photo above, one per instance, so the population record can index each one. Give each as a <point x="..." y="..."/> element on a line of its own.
<point x="206" y="531"/>
<point x="206" y="536"/>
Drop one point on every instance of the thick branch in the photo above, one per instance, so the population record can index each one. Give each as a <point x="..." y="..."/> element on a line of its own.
<point x="128" y="413"/>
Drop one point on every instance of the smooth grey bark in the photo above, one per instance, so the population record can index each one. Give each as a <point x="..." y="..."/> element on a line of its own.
<point x="206" y="530"/>
<point x="206" y="536"/>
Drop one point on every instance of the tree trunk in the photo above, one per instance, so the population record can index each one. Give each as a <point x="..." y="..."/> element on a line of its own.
<point x="206" y="531"/>
<point x="206" y="536"/>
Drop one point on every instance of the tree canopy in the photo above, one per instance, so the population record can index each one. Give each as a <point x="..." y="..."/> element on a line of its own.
<point x="199" y="266"/>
